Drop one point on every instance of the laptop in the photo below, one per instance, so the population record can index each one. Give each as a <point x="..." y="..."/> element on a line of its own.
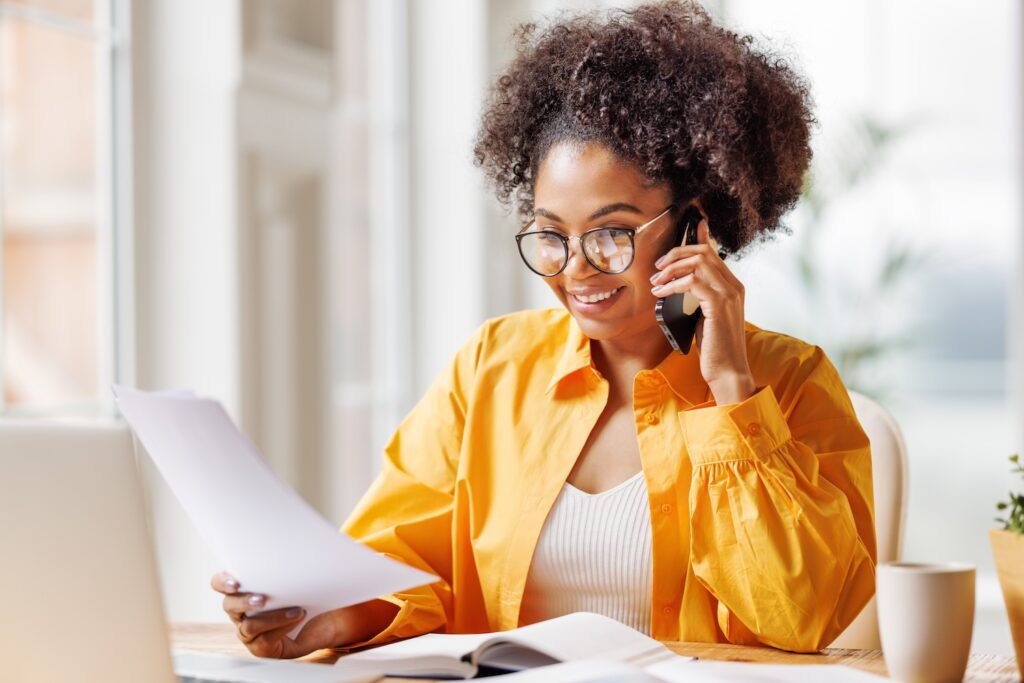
<point x="78" y="580"/>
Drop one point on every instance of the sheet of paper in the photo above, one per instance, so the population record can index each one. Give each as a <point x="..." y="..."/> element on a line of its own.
<point x="209" y="666"/>
<point x="706" y="671"/>
<point x="583" y="671"/>
<point x="262" y="532"/>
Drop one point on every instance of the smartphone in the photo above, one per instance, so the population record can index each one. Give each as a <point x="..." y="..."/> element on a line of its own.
<point x="678" y="314"/>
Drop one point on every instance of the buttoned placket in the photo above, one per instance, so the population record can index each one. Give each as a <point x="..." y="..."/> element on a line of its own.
<point x="662" y="457"/>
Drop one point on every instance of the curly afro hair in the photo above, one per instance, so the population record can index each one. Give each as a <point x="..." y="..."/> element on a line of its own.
<point x="688" y="102"/>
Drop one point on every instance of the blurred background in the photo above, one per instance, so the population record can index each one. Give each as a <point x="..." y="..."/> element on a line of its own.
<point x="273" y="202"/>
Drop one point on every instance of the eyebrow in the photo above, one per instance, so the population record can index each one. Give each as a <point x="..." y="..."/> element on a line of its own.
<point x="603" y="211"/>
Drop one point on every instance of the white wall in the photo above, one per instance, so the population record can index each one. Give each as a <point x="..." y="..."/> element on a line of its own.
<point x="448" y="76"/>
<point x="185" y="71"/>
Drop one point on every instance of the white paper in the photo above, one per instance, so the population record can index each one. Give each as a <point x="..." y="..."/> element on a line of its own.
<point x="579" y="637"/>
<point x="741" y="672"/>
<point x="209" y="666"/>
<point x="583" y="671"/>
<point x="259" y="529"/>
<point x="570" y="637"/>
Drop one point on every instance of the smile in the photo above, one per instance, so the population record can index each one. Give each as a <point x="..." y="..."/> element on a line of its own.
<point x="594" y="298"/>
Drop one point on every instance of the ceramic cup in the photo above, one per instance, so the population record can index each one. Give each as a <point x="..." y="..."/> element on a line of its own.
<point x="925" y="619"/>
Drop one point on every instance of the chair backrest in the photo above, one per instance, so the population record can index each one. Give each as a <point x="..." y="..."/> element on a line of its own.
<point x="889" y="473"/>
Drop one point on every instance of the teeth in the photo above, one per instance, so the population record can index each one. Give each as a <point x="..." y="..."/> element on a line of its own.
<point x="593" y="299"/>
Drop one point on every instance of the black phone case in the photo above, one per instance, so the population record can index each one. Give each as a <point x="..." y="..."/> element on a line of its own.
<point x="679" y="328"/>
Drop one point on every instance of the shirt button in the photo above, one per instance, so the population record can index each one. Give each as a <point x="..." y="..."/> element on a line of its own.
<point x="651" y="419"/>
<point x="666" y="508"/>
<point x="667" y="609"/>
<point x="753" y="429"/>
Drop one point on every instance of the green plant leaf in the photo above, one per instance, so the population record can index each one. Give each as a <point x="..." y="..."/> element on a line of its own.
<point x="1015" y="520"/>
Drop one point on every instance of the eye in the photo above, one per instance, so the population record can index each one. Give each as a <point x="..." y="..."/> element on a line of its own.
<point x="549" y="237"/>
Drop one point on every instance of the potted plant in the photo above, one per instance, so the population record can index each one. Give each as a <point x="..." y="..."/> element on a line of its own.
<point x="1008" y="550"/>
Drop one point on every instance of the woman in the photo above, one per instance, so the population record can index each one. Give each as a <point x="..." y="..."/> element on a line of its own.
<point x="570" y="459"/>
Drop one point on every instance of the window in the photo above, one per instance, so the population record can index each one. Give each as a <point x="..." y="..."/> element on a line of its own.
<point x="915" y="225"/>
<point x="61" y="85"/>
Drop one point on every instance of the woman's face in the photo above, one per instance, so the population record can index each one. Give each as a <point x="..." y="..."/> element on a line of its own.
<point x="583" y="187"/>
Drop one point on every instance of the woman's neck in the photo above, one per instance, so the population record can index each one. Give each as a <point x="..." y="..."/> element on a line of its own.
<point x="619" y="360"/>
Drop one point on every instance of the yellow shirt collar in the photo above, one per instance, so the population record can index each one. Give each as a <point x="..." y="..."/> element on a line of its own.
<point x="681" y="372"/>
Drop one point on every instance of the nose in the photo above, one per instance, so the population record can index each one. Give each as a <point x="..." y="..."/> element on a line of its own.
<point x="578" y="265"/>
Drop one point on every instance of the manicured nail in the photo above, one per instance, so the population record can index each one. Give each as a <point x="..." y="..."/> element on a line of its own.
<point x="655" y="277"/>
<point x="657" y="264"/>
<point x="257" y="600"/>
<point x="657" y="290"/>
<point x="293" y="613"/>
<point x="231" y="583"/>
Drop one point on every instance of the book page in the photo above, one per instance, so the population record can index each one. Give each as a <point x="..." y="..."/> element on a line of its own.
<point x="510" y="656"/>
<point x="584" y="671"/>
<point x="583" y="635"/>
<point x="433" y="654"/>
<point x="454" y="645"/>
<point x="570" y="638"/>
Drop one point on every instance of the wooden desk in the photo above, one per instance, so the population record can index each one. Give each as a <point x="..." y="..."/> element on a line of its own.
<point x="981" y="668"/>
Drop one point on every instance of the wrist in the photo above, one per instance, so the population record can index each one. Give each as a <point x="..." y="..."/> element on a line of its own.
<point x="361" y="622"/>
<point x="733" y="388"/>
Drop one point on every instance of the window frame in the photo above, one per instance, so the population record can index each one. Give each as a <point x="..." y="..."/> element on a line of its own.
<point x="109" y="32"/>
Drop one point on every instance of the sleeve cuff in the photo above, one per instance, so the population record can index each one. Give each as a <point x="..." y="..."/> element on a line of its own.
<point x="388" y="634"/>
<point x="747" y="430"/>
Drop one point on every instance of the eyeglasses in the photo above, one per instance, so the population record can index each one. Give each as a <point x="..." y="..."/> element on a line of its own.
<point x="609" y="250"/>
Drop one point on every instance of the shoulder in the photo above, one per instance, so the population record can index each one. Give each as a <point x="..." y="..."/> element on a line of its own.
<point x="787" y="363"/>
<point x="525" y="333"/>
<point x="517" y="345"/>
<point x="766" y="346"/>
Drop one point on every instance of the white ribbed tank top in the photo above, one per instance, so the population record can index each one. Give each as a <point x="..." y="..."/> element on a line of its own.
<point x="594" y="555"/>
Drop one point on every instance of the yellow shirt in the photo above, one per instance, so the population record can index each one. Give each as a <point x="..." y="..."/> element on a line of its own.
<point x="761" y="511"/>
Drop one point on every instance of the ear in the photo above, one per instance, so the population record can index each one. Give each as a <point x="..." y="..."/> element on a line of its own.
<point x="700" y="206"/>
<point x="704" y="229"/>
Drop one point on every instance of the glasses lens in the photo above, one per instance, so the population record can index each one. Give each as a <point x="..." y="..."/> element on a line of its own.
<point x="610" y="250"/>
<point x="544" y="252"/>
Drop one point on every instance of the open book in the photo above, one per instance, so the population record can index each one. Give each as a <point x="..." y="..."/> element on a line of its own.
<point x="573" y="637"/>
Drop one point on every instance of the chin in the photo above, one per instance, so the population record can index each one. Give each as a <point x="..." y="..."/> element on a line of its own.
<point x="600" y="329"/>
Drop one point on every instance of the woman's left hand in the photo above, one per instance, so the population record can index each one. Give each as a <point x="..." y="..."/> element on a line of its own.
<point x="697" y="269"/>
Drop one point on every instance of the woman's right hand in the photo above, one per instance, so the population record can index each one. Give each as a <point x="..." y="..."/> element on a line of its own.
<point x="266" y="634"/>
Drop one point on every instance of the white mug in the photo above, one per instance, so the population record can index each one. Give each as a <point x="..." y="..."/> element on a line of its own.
<point x="925" y="620"/>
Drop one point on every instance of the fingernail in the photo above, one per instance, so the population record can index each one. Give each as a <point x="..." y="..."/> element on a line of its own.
<point x="657" y="290"/>
<point x="231" y="583"/>
<point x="657" y="264"/>
<point x="257" y="600"/>
<point x="294" y="613"/>
<point x="655" y="277"/>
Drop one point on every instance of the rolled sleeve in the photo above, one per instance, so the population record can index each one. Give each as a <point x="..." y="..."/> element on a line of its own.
<point x="416" y="615"/>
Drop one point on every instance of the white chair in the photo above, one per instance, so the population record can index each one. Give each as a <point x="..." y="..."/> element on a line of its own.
<point x="889" y="471"/>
